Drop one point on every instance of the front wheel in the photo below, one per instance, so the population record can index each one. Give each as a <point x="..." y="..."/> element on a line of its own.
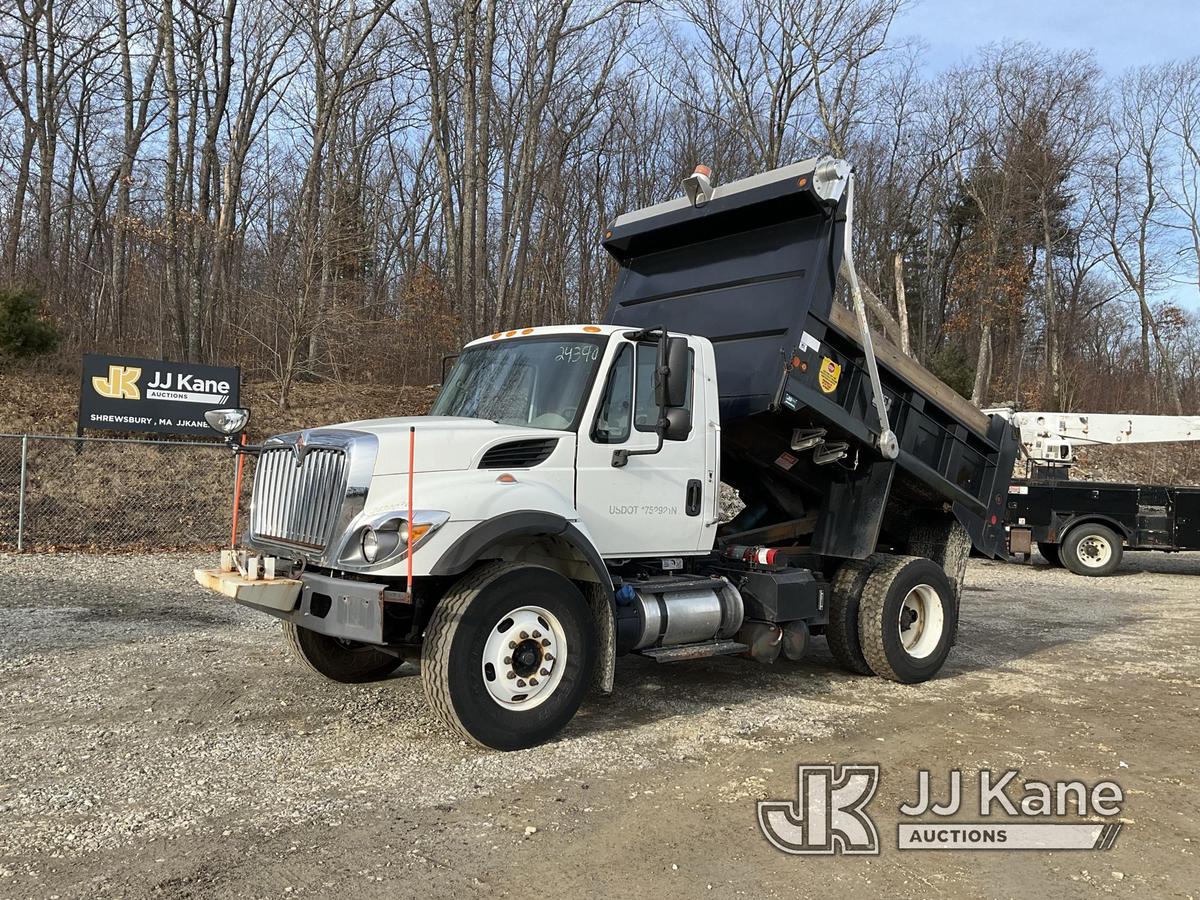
<point x="907" y="619"/>
<point x="1091" y="549"/>
<point x="1050" y="553"/>
<point x="349" y="662"/>
<point x="508" y="655"/>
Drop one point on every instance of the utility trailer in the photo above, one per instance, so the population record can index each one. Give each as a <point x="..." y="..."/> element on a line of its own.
<point x="560" y="506"/>
<point x="1086" y="526"/>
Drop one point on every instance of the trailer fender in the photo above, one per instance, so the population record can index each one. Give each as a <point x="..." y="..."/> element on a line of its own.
<point x="1063" y="523"/>
<point x="586" y="567"/>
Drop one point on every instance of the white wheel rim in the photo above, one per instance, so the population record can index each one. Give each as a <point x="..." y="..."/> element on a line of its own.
<point x="1094" y="551"/>
<point x="524" y="658"/>
<point x="921" y="621"/>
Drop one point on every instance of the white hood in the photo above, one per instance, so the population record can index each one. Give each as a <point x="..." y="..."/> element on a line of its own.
<point x="442" y="443"/>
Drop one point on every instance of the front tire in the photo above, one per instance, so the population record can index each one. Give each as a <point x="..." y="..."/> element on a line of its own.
<point x="508" y="655"/>
<point x="1051" y="553"/>
<point x="348" y="662"/>
<point x="1091" y="549"/>
<point x="907" y="619"/>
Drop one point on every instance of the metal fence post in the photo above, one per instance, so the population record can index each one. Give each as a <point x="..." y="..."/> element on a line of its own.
<point x="21" y="495"/>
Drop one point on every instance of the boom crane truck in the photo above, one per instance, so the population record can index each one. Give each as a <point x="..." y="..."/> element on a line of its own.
<point x="1086" y="526"/>
<point x="560" y="505"/>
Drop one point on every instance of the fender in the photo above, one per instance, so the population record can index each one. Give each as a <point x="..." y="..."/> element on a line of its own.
<point x="1063" y="524"/>
<point x="465" y="551"/>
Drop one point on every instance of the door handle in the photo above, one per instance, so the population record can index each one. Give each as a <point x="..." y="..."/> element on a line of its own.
<point x="695" y="492"/>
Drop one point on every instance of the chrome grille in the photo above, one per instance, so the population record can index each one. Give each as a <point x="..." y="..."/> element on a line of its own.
<point x="298" y="504"/>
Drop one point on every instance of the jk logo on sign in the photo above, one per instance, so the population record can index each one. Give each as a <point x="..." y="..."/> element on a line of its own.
<point x="121" y="383"/>
<point x="829" y="815"/>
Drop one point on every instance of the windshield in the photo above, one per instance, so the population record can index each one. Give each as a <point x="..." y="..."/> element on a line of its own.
<point x="541" y="382"/>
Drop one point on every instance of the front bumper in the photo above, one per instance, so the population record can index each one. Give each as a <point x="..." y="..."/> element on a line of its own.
<point x="276" y="595"/>
<point x="338" y="607"/>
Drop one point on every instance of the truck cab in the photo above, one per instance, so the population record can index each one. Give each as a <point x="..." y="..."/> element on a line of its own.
<point x="591" y="392"/>
<point x="560" y="504"/>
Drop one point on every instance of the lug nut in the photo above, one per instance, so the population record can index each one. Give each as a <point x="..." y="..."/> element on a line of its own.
<point x="545" y="642"/>
<point x="544" y="672"/>
<point x="524" y="635"/>
<point x="512" y="645"/>
<point x="533" y="682"/>
<point x="537" y="634"/>
<point x="511" y="675"/>
<point x="520" y="682"/>
<point x="508" y="660"/>
<point x="549" y="658"/>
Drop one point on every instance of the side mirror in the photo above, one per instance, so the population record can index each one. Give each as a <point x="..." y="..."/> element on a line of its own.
<point x="670" y="387"/>
<point x="679" y="424"/>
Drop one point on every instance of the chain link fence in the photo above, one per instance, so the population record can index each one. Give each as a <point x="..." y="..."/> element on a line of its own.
<point x="65" y="492"/>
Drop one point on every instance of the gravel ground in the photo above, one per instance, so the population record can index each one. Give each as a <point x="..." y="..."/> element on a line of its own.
<point x="158" y="742"/>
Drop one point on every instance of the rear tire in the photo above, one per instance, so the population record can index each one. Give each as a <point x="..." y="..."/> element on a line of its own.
<point x="509" y="655"/>
<point x="842" y="630"/>
<point x="907" y="619"/>
<point x="1050" y="553"/>
<point x="1091" y="549"/>
<point x="348" y="662"/>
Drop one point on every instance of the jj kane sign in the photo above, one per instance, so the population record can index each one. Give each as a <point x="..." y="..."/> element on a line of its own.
<point x="119" y="393"/>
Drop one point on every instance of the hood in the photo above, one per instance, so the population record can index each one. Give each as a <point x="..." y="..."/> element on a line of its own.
<point x="442" y="443"/>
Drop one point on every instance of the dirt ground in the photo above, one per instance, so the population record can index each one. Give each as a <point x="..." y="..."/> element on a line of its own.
<point x="158" y="743"/>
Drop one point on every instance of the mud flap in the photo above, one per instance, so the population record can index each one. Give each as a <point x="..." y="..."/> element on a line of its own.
<point x="598" y="600"/>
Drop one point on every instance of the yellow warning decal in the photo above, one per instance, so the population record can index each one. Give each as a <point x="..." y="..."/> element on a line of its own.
<point x="828" y="377"/>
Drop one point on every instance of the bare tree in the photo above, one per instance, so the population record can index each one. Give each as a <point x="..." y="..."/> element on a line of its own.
<point x="1126" y="197"/>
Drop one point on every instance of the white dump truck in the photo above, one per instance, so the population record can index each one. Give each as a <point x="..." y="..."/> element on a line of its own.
<point x="560" y="505"/>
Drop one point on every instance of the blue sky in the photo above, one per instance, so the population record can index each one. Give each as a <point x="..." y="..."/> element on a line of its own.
<point x="1121" y="33"/>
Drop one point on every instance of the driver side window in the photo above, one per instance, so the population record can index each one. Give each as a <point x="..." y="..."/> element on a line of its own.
<point x="614" y="418"/>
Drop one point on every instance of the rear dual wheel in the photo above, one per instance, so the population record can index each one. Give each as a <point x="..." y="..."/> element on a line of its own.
<point x="842" y="630"/>
<point x="894" y="616"/>
<point x="907" y="619"/>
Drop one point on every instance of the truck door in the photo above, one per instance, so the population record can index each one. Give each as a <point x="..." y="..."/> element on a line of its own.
<point x="657" y="503"/>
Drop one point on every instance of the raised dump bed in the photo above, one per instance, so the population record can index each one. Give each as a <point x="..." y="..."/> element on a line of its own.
<point x="755" y="269"/>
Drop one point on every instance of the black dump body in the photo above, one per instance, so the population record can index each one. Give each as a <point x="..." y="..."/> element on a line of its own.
<point x="755" y="271"/>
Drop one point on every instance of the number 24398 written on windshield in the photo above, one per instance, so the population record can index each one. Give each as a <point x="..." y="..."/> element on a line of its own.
<point x="575" y="353"/>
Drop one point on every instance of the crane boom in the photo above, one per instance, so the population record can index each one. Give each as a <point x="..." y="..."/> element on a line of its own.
<point x="1050" y="438"/>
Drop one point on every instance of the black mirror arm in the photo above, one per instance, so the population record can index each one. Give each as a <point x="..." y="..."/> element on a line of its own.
<point x="621" y="457"/>
<point x="244" y="449"/>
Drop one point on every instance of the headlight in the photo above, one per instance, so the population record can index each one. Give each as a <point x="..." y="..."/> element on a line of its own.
<point x="227" y="421"/>
<point x="389" y="537"/>
<point x="382" y="541"/>
<point x="370" y="545"/>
